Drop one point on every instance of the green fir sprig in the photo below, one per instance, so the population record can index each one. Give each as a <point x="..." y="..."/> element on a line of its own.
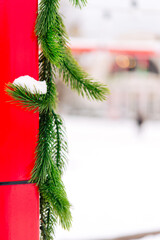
<point x="23" y="97"/>
<point x="73" y="75"/>
<point x="79" y="3"/>
<point x="48" y="220"/>
<point x="51" y="151"/>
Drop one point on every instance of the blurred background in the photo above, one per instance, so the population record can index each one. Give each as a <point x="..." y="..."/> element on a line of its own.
<point x="113" y="175"/>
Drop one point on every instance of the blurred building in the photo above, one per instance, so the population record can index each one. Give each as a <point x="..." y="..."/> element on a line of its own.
<point x="118" y="43"/>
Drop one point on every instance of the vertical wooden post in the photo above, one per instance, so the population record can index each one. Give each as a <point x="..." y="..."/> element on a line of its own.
<point x="19" y="202"/>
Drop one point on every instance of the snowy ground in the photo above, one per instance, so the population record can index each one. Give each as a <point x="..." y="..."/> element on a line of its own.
<point x="112" y="179"/>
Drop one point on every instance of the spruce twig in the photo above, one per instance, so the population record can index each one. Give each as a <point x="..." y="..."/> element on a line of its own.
<point x="47" y="220"/>
<point x="73" y="75"/>
<point x="79" y="3"/>
<point x="23" y="97"/>
<point x="60" y="147"/>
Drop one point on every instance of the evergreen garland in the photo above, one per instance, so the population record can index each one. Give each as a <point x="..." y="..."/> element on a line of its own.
<point x="51" y="151"/>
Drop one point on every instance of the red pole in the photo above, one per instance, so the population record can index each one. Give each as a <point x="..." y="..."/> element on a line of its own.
<point x="19" y="202"/>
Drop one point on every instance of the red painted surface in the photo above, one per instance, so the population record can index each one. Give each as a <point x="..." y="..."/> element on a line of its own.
<point x="19" y="218"/>
<point x="19" y="204"/>
<point x="18" y="56"/>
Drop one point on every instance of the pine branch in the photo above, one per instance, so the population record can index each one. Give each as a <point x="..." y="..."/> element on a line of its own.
<point x="78" y="3"/>
<point x="51" y="146"/>
<point x="54" y="41"/>
<point x="60" y="147"/>
<point x="23" y="97"/>
<point x="46" y="16"/>
<point x="54" y="192"/>
<point x="73" y="75"/>
<point x="51" y="47"/>
<point x="46" y="73"/>
<point x="49" y="36"/>
<point x="44" y="148"/>
<point x="54" y="45"/>
<point x="48" y="167"/>
<point x="48" y="220"/>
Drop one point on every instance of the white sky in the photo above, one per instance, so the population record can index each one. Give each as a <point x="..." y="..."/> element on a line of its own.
<point x="115" y="18"/>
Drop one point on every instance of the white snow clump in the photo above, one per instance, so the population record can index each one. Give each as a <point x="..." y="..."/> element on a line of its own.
<point x="31" y="84"/>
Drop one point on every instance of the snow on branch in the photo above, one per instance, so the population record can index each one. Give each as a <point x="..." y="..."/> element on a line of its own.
<point x="31" y="84"/>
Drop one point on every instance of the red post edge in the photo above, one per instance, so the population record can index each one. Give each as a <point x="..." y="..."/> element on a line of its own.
<point x="19" y="204"/>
